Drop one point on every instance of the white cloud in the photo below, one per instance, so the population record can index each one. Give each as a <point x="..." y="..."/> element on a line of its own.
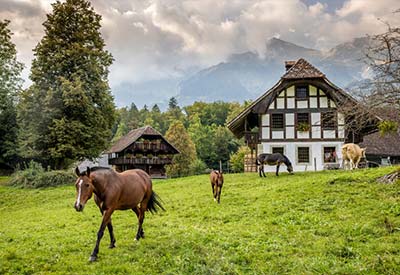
<point x="153" y="39"/>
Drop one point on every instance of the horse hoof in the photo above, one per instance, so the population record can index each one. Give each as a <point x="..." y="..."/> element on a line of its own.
<point x="92" y="259"/>
<point x="111" y="245"/>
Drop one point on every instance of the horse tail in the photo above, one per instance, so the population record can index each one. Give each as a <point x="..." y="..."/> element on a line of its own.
<point x="154" y="203"/>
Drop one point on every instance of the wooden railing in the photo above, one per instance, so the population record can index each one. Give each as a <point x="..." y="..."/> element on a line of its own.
<point x="143" y="160"/>
<point x="149" y="146"/>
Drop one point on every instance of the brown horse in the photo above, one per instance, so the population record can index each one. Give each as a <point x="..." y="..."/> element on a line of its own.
<point x="217" y="180"/>
<point x="131" y="189"/>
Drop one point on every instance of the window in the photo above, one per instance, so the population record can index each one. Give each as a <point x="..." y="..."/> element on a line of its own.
<point x="277" y="121"/>
<point x="303" y="118"/>
<point x="277" y="150"/>
<point x="301" y="92"/>
<point x="330" y="154"/>
<point x="328" y="120"/>
<point x="303" y="154"/>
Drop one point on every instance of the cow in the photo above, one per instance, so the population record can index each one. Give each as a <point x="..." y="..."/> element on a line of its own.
<point x="352" y="154"/>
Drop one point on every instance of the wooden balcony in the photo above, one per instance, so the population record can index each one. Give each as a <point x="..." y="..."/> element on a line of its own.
<point x="150" y="146"/>
<point x="251" y="139"/>
<point x="143" y="160"/>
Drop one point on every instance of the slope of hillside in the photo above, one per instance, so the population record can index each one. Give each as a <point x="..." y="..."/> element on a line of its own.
<point x="247" y="75"/>
<point x="332" y="222"/>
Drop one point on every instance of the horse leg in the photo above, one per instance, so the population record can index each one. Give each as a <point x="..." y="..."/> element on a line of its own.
<point x="109" y="225"/>
<point x="219" y="193"/>
<point x="277" y="170"/>
<point x="262" y="170"/>
<point x="136" y="210"/>
<point x="106" y="219"/>
<point x="213" y="189"/>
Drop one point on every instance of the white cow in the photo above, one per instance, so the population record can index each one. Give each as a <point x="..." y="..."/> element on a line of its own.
<point x="352" y="154"/>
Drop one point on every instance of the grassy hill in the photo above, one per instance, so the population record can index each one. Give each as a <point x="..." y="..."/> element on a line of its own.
<point x="331" y="222"/>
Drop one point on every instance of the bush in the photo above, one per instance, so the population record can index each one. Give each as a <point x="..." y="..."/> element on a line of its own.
<point x="34" y="176"/>
<point x="198" y="167"/>
<point x="237" y="159"/>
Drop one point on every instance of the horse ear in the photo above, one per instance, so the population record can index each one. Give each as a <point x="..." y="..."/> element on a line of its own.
<point x="77" y="171"/>
<point x="88" y="171"/>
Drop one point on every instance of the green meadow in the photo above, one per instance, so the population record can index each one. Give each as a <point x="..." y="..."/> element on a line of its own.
<point x="330" y="222"/>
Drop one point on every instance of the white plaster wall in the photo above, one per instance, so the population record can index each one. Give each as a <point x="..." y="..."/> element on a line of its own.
<point x="315" y="118"/>
<point x="316" y="132"/>
<point x="289" y="119"/>
<point x="290" y="91"/>
<point x="290" y="103"/>
<point x="280" y="103"/>
<point x="323" y="102"/>
<point x="313" y="90"/>
<point x="265" y="133"/>
<point x="265" y="120"/>
<point x="277" y="134"/>
<point x="302" y="104"/>
<point x="290" y="132"/>
<point x="329" y="133"/>
<point x="290" y="148"/>
<point x="303" y="134"/>
<point x="313" y="102"/>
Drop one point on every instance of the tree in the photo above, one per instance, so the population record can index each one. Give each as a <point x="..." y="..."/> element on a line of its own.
<point x="182" y="163"/>
<point x="384" y="59"/>
<point x="10" y="85"/>
<point x="70" y="96"/>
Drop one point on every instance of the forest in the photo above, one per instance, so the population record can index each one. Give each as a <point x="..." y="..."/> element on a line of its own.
<point x="68" y="114"/>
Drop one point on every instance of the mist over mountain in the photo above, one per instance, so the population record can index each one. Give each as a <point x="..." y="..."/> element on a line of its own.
<point x="247" y="75"/>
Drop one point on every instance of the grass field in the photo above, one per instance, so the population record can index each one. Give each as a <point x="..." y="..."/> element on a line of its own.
<point x="332" y="222"/>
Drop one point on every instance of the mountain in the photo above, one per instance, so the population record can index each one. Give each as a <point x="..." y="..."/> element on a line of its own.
<point x="247" y="75"/>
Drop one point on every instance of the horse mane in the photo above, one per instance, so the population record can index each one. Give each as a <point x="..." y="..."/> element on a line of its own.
<point x="93" y="169"/>
<point x="286" y="159"/>
<point x="96" y="168"/>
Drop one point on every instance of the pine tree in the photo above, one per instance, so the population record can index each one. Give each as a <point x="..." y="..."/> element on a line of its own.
<point x="10" y="85"/>
<point x="70" y="96"/>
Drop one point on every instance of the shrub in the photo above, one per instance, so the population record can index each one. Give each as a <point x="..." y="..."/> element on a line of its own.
<point x="34" y="176"/>
<point x="198" y="167"/>
<point x="237" y="159"/>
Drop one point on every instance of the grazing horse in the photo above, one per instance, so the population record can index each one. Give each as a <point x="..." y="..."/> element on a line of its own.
<point x="217" y="180"/>
<point x="273" y="159"/>
<point x="131" y="189"/>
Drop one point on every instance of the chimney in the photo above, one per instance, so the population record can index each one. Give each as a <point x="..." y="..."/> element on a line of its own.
<point x="289" y="64"/>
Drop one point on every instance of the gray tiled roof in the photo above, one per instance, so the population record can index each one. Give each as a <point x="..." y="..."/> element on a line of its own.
<point x="133" y="136"/>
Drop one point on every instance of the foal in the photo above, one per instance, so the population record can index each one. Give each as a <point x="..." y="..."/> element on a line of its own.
<point x="217" y="180"/>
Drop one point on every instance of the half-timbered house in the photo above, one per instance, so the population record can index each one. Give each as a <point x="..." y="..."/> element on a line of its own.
<point x="299" y="117"/>
<point x="143" y="148"/>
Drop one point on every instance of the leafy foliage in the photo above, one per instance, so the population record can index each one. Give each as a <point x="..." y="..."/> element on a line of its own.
<point x="10" y="85"/>
<point x="34" y="176"/>
<point x="237" y="159"/>
<point x="182" y="162"/>
<point x="68" y="112"/>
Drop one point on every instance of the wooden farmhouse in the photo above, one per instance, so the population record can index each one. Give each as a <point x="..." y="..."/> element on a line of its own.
<point x="299" y="117"/>
<point x="143" y="148"/>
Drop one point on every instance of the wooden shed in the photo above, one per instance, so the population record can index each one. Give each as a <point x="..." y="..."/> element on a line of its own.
<point x="143" y="148"/>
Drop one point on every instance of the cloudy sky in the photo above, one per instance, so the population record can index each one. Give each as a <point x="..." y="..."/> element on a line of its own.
<point x="160" y="39"/>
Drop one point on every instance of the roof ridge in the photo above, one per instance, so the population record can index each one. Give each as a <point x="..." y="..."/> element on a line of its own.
<point x="302" y="69"/>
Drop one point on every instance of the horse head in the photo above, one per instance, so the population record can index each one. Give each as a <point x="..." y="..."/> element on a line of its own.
<point x="289" y="165"/>
<point x="84" y="189"/>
